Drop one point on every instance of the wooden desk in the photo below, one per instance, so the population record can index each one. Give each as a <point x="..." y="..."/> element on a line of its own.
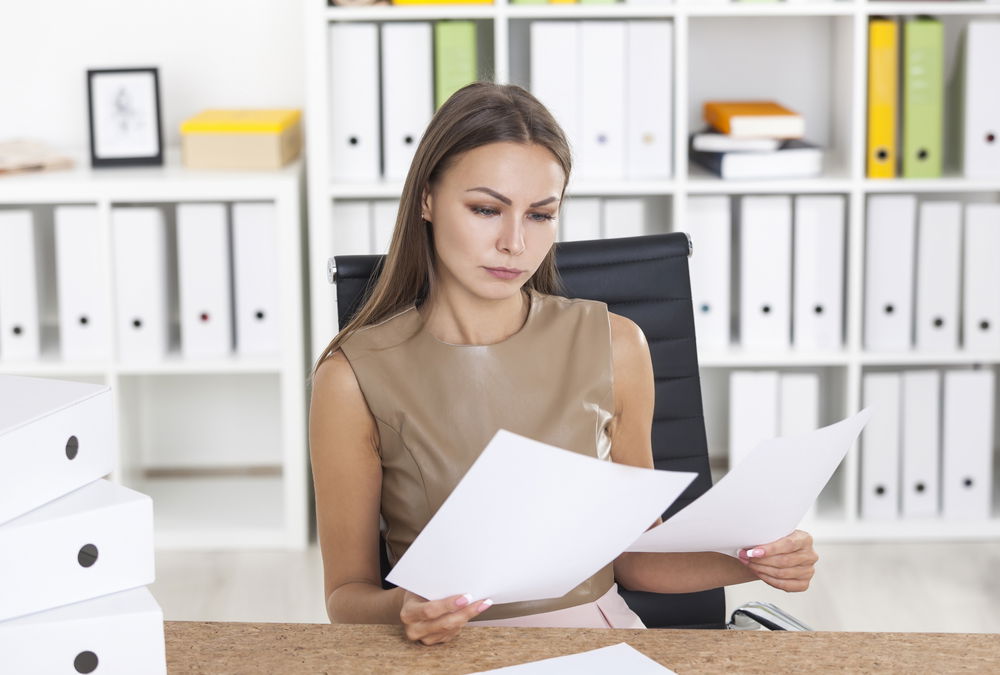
<point x="282" y="648"/>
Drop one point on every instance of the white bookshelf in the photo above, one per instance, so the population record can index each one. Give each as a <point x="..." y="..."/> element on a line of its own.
<point x="811" y="56"/>
<point x="244" y="417"/>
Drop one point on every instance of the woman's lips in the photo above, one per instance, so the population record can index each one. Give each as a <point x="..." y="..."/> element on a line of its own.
<point x="505" y="273"/>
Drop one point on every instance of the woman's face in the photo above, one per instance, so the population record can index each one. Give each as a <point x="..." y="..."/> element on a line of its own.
<point x="494" y="217"/>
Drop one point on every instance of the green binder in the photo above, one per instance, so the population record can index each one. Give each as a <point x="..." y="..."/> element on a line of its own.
<point x="923" y="97"/>
<point x="455" y="60"/>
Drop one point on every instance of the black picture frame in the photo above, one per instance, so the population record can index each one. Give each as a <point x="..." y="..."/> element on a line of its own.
<point x="123" y="108"/>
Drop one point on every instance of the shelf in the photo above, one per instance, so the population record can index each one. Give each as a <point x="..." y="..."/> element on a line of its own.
<point x="768" y="10"/>
<point x="932" y="8"/>
<point x="931" y="185"/>
<point x="930" y="529"/>
<point x="927" y="359"/>
<point x="736" y="357"/>
<point x="175" y="364"/>
<point x="411" y="13"/>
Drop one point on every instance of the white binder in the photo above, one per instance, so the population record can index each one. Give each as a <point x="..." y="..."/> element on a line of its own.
<point x="981" y="145"/>
<point x="141" y="282"/>
<point x="120" y="634"/>
<point x="407" y="92"/>
<point x="798" y="408"/>
<point x="649" y="91"/>
<point x="20" y="327"/>
<point x="889" y="261"/>
<point x="255" y="275"/>
<point x="623" y="217"/>
<point x="54" y="438"/>
<point x="921" y="442"/>
<point x="880" y="447"/>
<point x="967" y="448"/>
<point x="753" y="411"/>
<point x="939" y="254"/>
<point x="601" y="149"/>
<point x="981" y="322"/>
<point x="708" y="221"/>
<point x="555" y="73"/>
<point x="83" y="294"/>
<point x="204" y="276"/>
<point x="352" y="227"/>
<point x="384" y="213"/>
<point x="354" y="102"/>
<point x="818" y="288"/>
<point x="580" y="219"/>
<point x="94" y="541"/>
<point x="765" y="272"/>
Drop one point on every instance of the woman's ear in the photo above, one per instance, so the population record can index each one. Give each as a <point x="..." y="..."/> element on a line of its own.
<point x="425" y="205"/>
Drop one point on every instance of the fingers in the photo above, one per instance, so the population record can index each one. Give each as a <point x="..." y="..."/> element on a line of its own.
<point x="437" y="621"/>
<point x="795" y="584"/>
<point x="797" y="559"/>
<point x="796" y="541"/>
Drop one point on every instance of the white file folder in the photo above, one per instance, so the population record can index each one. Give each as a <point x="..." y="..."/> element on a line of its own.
<point x="81" y="287"/>
<point x="708" y="221"/>
<point x="601" y="150"/>
<point x="981" y="144"/>
<point x="94" y="541"/>
<point x="352" y="227"/>
<point x="354" y="102"/>
<point x="384" y="213"/>
<point x="120" y="633"/>
<point x="967" y="448"/>
<point x="555" y="73"/>
<point x="141" y="282"/>
<point x="765" y="272"/>
<point x="981" y="322"/>
<point x="889" y="261"/>
<point x="921" y="443"/>
<point x="580" y="219"/>
<point x="255" y="275"/>
<point x="20" y="327"/>
<point x="55" y="437"/>
<point x="798" y="408"/>
<point x="623" y="217"/>
<point x="753" y="411"/>
<point x="407" y="92"/>
<point x="649" y="125"/>
<point x="204" y="275"/>
<point x="939" y="256"/>
<point x="880" y="447"/>
<point x="818" y="288"/>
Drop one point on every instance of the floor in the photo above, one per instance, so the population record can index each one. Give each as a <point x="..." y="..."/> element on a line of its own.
<point x="939" y="587"/>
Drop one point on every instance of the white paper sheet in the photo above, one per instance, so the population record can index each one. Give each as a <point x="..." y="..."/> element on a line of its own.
<point x="619" y="658"/>
<point x="530" y="521"/>
<point x="763" y="498"/>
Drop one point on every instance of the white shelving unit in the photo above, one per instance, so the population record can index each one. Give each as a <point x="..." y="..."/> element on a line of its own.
<point x="812" y="57"/>
<point x="243" y="418"/>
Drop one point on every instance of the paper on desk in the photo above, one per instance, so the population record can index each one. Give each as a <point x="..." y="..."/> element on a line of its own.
<point x="530" y="521"/>
<point x="619" y="658"/>
<point x="763" y="498"/>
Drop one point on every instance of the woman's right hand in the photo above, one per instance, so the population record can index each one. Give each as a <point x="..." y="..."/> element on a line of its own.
<point x="432" y="622"/>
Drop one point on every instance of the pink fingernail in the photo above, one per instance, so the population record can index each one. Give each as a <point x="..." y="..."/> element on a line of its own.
<point x="485" y="605"/>
<point x="755" y="553"/>
<point x="463" y="601"/>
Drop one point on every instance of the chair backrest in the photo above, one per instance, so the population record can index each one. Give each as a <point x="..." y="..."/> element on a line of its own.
<point x="645" y="279"/>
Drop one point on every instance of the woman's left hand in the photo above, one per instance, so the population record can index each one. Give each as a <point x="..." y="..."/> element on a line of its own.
<point x="788" y="563"/>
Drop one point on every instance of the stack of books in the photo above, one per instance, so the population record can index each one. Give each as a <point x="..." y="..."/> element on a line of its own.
<point x="77" y="549"/>
<point x="755" y="139"/>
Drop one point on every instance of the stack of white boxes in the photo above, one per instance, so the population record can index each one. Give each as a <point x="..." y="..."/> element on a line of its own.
<point x="76" y="551"/>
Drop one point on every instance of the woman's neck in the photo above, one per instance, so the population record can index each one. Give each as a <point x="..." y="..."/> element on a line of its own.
<point x="457" y="317"/>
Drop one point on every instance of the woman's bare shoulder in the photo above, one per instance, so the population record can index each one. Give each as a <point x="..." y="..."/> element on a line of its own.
<point x="626" y="334"/>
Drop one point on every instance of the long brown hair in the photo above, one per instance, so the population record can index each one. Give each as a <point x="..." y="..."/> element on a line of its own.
<point x="477" y="114"/>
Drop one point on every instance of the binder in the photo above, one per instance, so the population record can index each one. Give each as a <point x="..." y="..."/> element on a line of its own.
<point x="94" y="541"/>
<point x="119" y="633"/>
<point x="649" y="92"/>
<point x="407" y="96"/>
<point x="889" y="260"/>
<point x="883" y="86"/>
<point x="880" y="451"/>
<point x="818" y="288"/>
<point x="765" y="271"/>
<point x="456" y="61"/>
<point x="923" y="97"/>
<point x="55" y="437"/>
<point x="798" y="403"/>
<point x="354" y="102"/>
<point x="81" y="287"/>
<point x="967" y="459"/>
<point x="19" y="287"/>
<point x="601" y="149"/>
<point x="981" y="322"/>
<point x="139" y="236"/>
<point x="623" y="217"/>
<point x="204" y="275"/>
<point x="939" y="255"/>
<point x="981" y="142"/>
<point x="709" y="224"/>
<point x="753" y="411"/>
<point x="255" y="275"/>
<point x="580" y="219"/>
<point x="384" y="213"/>
<point x="556" y="73"/>
<point x="921" y="443"/>
<point x="352" y="227"/>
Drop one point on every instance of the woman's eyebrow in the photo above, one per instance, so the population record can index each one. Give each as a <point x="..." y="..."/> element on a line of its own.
<point x="506" y="200"/>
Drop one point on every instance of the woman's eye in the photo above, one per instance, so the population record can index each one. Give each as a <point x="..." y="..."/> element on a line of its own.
<point x="484" y="211"/>
<point x="542" y="217"/>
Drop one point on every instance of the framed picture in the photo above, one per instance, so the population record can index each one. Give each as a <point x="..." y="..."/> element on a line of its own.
<point x="124" y="108"/>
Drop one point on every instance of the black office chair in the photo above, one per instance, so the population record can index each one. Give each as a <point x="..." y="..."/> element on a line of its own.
<point x="645" y="279"/>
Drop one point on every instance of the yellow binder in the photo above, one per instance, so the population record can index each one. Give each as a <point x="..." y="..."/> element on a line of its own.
<point x="883" y="96"/>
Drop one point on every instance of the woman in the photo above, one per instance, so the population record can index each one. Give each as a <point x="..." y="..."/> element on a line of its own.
<point x="462" y="336"/>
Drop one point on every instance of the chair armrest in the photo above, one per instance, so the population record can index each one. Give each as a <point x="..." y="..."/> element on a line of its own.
<point x="763" y="616"/>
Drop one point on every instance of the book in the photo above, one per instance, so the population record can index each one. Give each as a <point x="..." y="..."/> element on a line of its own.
<point x="794" y="159"/>
<point x="754" y="119"/>
<point x="710" y="141"/>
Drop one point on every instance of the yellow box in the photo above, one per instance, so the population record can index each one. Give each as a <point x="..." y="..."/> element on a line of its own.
<point x="241" y="139"/>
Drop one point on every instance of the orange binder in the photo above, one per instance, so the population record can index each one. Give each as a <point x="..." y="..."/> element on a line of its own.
<point x="883" y="96"/>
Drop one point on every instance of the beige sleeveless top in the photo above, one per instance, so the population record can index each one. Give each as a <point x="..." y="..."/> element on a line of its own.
<point x="437" y="405"/>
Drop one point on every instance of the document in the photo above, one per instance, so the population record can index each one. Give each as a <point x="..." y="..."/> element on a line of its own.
<point x="530" y="521"/>
<point x="763" y="498"/>
<point x="616" y="658"/>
